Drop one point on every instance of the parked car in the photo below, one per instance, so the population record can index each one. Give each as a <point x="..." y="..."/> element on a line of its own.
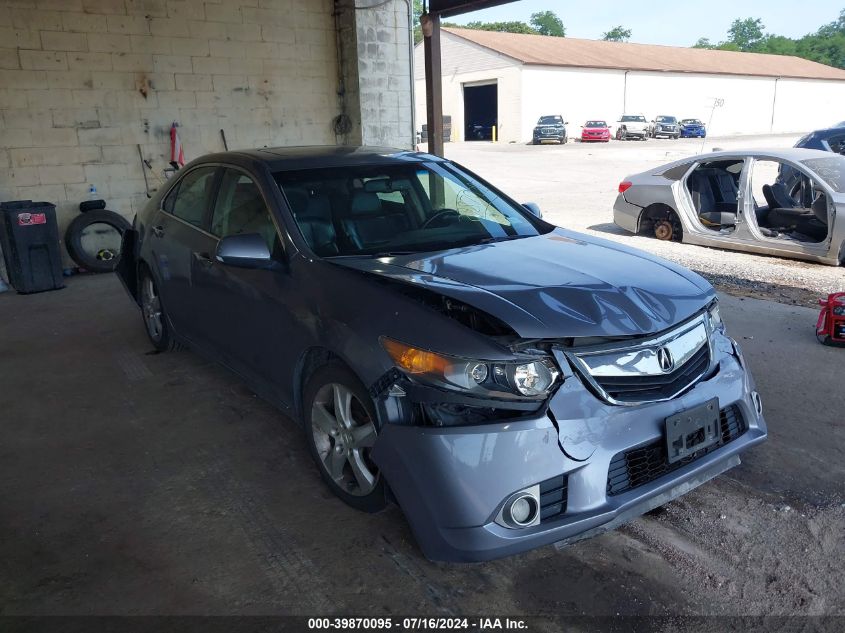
<point x="480" y="131"/>
<point x="693" y="128"/>
<point x="828" y="140"/>
<point x="632" y="126"/>
<point x="550" y="128"/>
<point x="664" y="125"/>
<point x="510" y="383"/>
<point x="735" y="200"/>
<point x="595" y="131"/>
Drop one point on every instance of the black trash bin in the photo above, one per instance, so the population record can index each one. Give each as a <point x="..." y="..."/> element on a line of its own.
<point x="29" y="237"/>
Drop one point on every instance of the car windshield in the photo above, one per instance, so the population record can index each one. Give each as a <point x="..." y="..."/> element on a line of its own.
<point x="596" y="124"/>
<point x="549" y="120"/>
<point x="691" y="122"/>
<point x="666" y="119"/>
<point x="630" y="118"/>
<point x="830" y="169"/>
<point x="399" y="209"/>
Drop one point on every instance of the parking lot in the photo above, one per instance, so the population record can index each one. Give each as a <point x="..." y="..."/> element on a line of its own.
<point x="142" y="483"/>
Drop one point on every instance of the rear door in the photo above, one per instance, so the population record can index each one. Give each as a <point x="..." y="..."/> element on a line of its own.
<point x="177" y="235"/>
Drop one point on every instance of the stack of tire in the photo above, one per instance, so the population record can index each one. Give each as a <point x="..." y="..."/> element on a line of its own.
<point x="94" y="212"/>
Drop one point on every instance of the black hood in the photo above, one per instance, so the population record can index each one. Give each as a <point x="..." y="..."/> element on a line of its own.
<point x="562" y="284"/>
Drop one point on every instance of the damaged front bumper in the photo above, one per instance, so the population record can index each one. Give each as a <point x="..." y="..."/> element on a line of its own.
<point x="452" y="482"/>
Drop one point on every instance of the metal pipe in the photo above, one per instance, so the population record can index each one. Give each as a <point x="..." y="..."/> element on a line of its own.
<point x="625" y="93"/>
<point x="774" y="104"/>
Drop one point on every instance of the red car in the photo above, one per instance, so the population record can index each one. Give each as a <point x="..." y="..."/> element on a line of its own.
<point x="595" y="131"/>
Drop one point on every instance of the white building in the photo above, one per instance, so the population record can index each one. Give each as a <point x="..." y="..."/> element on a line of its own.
<point x="513" y="79"/>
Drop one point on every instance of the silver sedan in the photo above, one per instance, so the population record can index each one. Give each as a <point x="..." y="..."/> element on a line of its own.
<point x="774" y="202"/>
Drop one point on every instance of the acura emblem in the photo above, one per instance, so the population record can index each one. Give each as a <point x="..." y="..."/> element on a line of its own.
<point x="665" y="360"/>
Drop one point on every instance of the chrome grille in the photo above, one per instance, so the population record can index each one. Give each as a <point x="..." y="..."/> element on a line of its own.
<point x="649" y="370"/>
<point x="658" y="387"/>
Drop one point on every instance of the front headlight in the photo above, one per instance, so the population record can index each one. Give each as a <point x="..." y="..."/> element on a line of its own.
<point x="714" y="318"/>
<point x="527" y="378"/>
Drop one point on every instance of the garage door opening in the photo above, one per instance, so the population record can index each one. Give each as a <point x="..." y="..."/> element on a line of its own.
<point x="481" y="111"/>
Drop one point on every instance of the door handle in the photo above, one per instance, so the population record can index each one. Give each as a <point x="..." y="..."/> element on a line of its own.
<point x="203" y="259"/>
<point x="158" y="231"/>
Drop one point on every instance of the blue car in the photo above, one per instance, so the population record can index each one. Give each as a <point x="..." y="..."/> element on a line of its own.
<point x="692" y="128"/>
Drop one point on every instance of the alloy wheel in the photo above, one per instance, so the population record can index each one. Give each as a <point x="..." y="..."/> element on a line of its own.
<point x="344" y="434"/>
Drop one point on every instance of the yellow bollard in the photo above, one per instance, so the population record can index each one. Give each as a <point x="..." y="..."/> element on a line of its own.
<point x="494" y="133"/>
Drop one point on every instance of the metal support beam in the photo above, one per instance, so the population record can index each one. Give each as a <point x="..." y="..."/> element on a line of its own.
<point x="433" y="82"/>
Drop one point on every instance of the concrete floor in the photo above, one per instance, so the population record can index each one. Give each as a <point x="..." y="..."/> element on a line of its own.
<point x="141" y="483"/>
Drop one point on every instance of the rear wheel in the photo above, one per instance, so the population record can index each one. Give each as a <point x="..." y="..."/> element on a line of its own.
<point x="663" y="230"/>
<point x="155" y="319"/>
<point x="340" y="425"/>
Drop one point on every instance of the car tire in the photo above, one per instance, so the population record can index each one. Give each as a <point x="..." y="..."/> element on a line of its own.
<point x="152" y="311"/>
<point x="535" y="142"/>
<point x="340" y="444"/>
<point x="103" y="261"/>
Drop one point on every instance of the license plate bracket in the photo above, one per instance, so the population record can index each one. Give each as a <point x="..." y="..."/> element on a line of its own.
<point x="692" y="430"/>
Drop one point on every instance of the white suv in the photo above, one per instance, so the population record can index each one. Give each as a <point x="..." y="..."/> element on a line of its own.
<point x="632" y="126"/>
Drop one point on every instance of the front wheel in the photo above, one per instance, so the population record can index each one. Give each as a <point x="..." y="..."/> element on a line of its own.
<point x="340" y="425"/>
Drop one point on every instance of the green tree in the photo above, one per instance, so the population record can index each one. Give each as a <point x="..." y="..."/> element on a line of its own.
<point x="548" y="23"/>
<point x="418" y="10"/>
<point x="747" y="34"/>
<point x="502" y="27"/>
<point x="826" y="45"/>
<point x="617" y="34"/>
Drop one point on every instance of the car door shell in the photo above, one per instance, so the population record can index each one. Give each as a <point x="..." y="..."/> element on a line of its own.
<point x="747" y="236"/>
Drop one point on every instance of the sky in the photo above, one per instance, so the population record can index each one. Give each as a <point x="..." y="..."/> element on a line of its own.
<point x="668" y="22"/>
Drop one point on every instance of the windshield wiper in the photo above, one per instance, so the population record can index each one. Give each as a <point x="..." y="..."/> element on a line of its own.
<point x="506" y="238"/>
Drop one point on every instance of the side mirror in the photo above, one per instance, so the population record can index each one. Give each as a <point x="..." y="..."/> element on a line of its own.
<point x="247" y="250"/>
<point x="566" y="122"/>
<point x="532" y="208"/>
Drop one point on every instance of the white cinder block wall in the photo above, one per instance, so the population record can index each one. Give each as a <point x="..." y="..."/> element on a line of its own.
<point x="83" y="82"/>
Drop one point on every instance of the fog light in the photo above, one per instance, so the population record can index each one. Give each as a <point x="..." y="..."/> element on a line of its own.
<point x="758" y="402"/>
<point x="521" y="510"/>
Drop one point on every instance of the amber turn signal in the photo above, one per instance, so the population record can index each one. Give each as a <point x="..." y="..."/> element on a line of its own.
<point x="413" y="360"/>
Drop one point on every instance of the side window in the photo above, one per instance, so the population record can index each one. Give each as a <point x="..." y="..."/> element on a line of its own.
<point x="240" y="208"/>
<point x="193" y="196"/>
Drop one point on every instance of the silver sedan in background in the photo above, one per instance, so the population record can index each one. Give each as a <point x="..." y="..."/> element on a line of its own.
<point x="773" y="202"/>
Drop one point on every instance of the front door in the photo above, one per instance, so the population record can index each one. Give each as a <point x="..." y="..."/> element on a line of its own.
<point x="246" y="314"/>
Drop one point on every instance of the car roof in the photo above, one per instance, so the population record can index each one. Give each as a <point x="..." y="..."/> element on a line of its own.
<point x="789" y="153"/>
<point x="320" y="156"/>
<point x="830" y="131"/>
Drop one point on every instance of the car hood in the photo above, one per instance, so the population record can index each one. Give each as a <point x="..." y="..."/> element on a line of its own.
<point x="558" y="285"/>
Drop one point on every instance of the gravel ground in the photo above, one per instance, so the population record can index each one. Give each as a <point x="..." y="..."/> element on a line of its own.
<point x="576" y="186"/>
